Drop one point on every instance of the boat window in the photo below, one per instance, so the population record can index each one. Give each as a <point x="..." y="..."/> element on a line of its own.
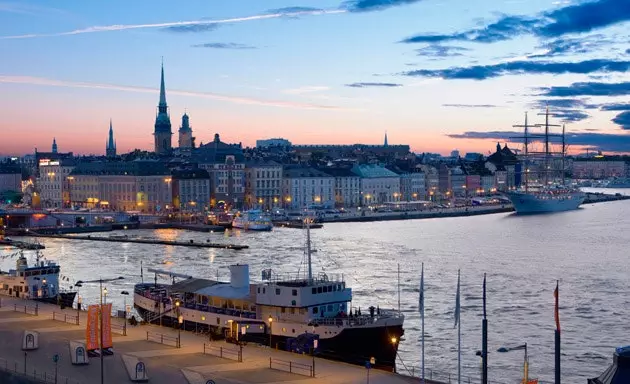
<point x="315" y="309"/>
<point x="218" y="321"/>
<point x="319" y="289"/>
<point x="330" y="288"/>
<point x="339" y="287"/>
<point x="334" y="288"/>
<point x="258" y="289"/>
<point x="329" y="308"/>
<point x="277" y="291"/>
<point x="263" y="290"/>
<point x="314" y="291"/>
<point x="292" y="303"/>
<point x="294" y="292"/>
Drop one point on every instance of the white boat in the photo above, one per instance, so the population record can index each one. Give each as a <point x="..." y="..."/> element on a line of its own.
<point x="619" y="183"/>
<point x="546" y="193"/>
<point x="253" y="220"/>
<point x="301" y="312"/>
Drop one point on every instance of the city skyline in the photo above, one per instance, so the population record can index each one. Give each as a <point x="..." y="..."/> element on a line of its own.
<point x="340" y="73"/>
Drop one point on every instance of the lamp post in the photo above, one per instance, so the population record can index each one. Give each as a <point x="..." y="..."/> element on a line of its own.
<point x="125" y="294"/>
<point x="270" y="329"/>
<point x="394" y="340"/>
<point x="102" y="292"/>
<point x="525" y="360"/>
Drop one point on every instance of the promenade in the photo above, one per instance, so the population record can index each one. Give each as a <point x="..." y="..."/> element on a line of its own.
<point x="195" y="362"/>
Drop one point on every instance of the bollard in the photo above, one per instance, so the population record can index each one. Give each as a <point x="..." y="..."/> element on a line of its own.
<point x="221" y="352"/>
<point x="270" y="363"/>
<point x="290" y="367"/>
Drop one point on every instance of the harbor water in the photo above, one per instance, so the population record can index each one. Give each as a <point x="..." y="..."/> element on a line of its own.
<point x="523" y="256"/>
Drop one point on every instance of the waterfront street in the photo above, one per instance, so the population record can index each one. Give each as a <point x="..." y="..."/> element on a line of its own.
<point x="165" y="364"/>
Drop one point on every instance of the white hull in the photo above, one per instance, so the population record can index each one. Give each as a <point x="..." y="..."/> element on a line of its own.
<point x="545" y="203"/>
<point x="243" y="224"/>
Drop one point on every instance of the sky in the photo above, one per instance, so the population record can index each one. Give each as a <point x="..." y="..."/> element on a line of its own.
<point x="438" y="75"/>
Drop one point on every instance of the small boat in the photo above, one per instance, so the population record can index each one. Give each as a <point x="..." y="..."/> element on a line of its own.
<point x="253" y="220"/>
<point x="21" y="244"/>
<point x="39" y="282"/>
<point x="296" y="224"/>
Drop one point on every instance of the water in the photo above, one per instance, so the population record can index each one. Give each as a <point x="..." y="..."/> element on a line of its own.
<point x="587" y="250"/>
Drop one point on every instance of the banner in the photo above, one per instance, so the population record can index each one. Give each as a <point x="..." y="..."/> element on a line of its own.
<point x="107" y="326"/>
<point x="91" y="328"/>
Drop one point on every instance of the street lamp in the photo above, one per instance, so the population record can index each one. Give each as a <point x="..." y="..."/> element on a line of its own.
<point x="102" y="291"/>
<point x="394" y="340"/>
<point x="525" y="361"/>
<point x="125" y="293"/>
<point x="270" y="329"/>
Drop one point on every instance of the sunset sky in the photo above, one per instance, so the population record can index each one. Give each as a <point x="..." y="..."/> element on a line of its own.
<point x="435" y="74"/>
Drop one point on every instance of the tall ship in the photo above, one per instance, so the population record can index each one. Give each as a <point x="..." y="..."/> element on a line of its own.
<point x="253" y="220"/>
<point x="40" y="282"/>
<point x="301" y="312"/>
<point x="544" y="188"/>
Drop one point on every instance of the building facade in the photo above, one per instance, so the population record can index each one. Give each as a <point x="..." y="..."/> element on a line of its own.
<point x="597" y="169"/>
<point x="53" y="182"/>
<point x="347" y="186"/>
<point x="276" y="142"/>
<point x="378" y="184"/>
<point x="191" y="190"/>
<point x="306" y="187"/>
<point x="186" y="138"/>
<point x="263" y="185"/>
<point x="10" y="178"/>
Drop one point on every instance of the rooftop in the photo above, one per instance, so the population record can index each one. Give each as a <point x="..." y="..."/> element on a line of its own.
<point x="298" y="172"/>
<point x="372" y="171"/>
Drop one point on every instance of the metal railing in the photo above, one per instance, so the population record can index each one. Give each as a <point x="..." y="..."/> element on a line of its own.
<point x="119" y="328"/>
<point x="224" y="352"/>
<point x="291" y="367"/>
<point x="360" y="320"/>
<point x="443" y="377"/>
<point x="28" y="309"/>
<point x="70" y="319"/>
<point x="164" y="339"/>
<point x="20" y="370"/>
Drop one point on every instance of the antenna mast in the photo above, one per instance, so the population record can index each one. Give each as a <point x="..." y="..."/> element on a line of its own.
<point x="307" y="223"/>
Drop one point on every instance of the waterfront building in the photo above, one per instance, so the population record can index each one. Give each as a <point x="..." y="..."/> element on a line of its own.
<point x="139" y="185"/>
<point x="458" y="182"/>
<point x="162" y="133"/>
<point x="110" y="147"/>
<point x="52" y="182"/>
<point x="191" y="190"/>
<point x="186" y="139"/>
<point x="378" y="184"/>
<point x="488" y="184"/>
<point x="263" y="185"/>
<point x="226" y="165"/>
<point x="598" y="169"/>
<point x="473" y="185"/>
<point x="412" y="183"/>
<point x="347" y="186"/>
<point x="306" y="187"/>
<point x="445" y="184"/>
<point x="45" y="158"/>
<point x="10" y="177"/>
<point x="275" y="142"/>
<point x="505" y="162"/>
<point x="431" y="181"/>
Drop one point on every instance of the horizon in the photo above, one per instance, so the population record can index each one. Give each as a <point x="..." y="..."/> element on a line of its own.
<point x="343" y="72"/>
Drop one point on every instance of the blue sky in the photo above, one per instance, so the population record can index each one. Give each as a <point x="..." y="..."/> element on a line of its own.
<point x="435" y="74"/>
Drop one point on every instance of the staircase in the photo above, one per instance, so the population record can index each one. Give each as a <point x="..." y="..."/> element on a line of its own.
<point x="156" y="316"/>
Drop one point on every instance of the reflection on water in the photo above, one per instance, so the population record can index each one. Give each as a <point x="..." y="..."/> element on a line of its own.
<point x="587" y="250"/>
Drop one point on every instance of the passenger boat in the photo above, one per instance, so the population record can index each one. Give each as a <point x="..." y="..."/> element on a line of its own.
<point x="302" y="312"/>
<point x="39" y="282"/>
<point x="254" y="220"/>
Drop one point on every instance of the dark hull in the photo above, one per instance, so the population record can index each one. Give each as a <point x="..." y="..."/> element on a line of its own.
<point x="64" y="299"/>
<point x="352" y="345"/>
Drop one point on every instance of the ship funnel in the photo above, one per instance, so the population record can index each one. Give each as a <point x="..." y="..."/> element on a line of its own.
<point x="239" y="275"/>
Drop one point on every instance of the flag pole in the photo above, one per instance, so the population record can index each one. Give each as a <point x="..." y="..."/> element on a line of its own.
<point x="484" y="337"/>
<point x="459" y="333"/>
<point x="557" y="334"/>
<point x="422" y="316"/>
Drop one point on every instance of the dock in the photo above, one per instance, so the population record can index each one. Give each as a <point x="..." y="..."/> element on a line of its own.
<point x="192" y="360"/>
<point x="295" y="224"/>
<point x="188" y="227"/>
<point x="127" y="239"/>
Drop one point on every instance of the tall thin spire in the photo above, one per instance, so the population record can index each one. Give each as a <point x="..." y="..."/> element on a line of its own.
<point x="110" y="148"/>
<point x="162" y="91"/>
<point x="54" y="145"/>
<point x="385" y="143"/>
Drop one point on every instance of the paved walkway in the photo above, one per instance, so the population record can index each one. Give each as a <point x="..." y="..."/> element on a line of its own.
<point x="165" y="363"/>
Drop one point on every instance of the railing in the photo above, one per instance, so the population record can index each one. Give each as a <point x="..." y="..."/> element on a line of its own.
<point x="70" y="319"/>
<point x="20" y="370"/>
<point x="224" y="353"/>
<point x="292" y="367"/>
<point x="353" y="321"/>
<point x="297" y="277"/>
<point x="28" y="309"/>
<point x="119" y="328"/>
<point x="443" y="377"/>
<point x="164" y="339"/>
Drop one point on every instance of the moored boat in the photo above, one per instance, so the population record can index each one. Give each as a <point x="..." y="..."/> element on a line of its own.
<point x="301" y="312"/>
<point x="253" y="220"/>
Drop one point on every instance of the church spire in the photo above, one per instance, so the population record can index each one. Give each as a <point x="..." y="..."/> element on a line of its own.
<point x="162" y="132"/>
<point x="110" y="148"/>
<point x="385" y="142"/>
<point x="162" y="91"/>
<point x="54" y="145"/>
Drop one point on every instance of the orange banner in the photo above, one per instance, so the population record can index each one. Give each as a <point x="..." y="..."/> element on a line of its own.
<point x="91" y="328"/>
<point x="107" y="326"/>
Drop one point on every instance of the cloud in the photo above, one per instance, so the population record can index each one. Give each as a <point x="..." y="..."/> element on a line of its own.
<point x="588" y="89"/>
<point x="29" y="80"/>
<point x="190" y="24"/>
<point x="559" y="103"/>
<point x="27" y="9"/>
<point x="615" y="107"/>
<point x="569" y="115"/>
<point x="482" y="72"/>
<point x="294" y="10"/>
<point x="192" y="28"/>
<point x="470" y="105"/>
<point x="623" y="120"/>
<point x="224" y="46"/>
<point x="579" y="18"/>
<point x="604" y="142"/>
<point x="306" y="89"/>
<point x="366" y="85"/>
<point x="571" y="46"/>
<point x="441" y="51"/>
<point x="375" y="5"/>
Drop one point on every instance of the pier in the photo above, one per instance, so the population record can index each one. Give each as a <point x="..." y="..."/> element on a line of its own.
<point x="128" y="239"/>
<point x="170" y="357"/>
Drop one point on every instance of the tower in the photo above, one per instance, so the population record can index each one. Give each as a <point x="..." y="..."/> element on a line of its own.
<point x="110" y="147"/>
<point x="185" y="134"/>
<point x="385" y="144"/>
<point x="54" y="145"/>
<point x="162" y="132"/>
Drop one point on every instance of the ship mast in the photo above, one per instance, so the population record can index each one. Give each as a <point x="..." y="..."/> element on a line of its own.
<point x="307" y="223"/>
<point x="564" y="151"/>
<point x="547" y="147"/>
<point x="526" y="150"/>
